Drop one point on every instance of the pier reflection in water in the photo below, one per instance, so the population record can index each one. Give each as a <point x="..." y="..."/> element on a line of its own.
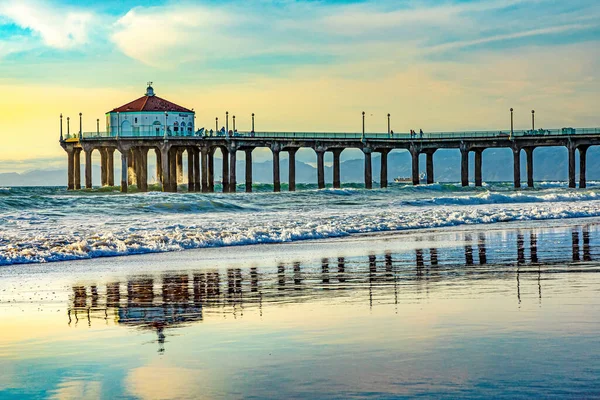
<point x="170" y="300"/>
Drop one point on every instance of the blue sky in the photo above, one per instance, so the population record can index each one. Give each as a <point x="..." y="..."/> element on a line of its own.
<point x="316" y="65"/>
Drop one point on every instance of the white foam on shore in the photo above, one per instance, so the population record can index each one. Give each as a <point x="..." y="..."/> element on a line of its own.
<point x="29" y="241"/>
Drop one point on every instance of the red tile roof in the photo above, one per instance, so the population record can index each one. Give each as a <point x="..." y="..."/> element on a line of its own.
<point x="151" y="103"/>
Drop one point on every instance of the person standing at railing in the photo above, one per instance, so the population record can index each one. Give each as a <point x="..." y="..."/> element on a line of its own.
<point x="421" y="133"/>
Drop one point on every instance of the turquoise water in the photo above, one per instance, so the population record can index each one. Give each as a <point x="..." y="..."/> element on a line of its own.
<point x="51" y="224"/>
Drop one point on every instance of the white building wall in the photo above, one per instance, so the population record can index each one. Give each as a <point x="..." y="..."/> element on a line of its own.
<point x="145" y="123"/>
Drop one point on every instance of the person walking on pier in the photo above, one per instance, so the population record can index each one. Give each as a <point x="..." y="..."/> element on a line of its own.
<point x="421" y="133"/>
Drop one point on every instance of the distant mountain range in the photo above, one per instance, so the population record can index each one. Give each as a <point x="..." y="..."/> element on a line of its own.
<point x="549" y="164"/>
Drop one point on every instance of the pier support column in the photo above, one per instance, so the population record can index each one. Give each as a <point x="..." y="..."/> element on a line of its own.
<point x="464" y="167"/>
<point x="478" y="167"/>
<point x="124" y="171"/>
<point x="368" y="169"/>
<point x="190" y="170"/>
<point x="88" y="169"/>
<point x="77" y="165"/>
<point x="571" y="150"/>
<point x="582" y="166"/>
<point x="248" y="170"/>
<point x="211" y="170"/>
<point x="110" y="170"/>
<point x="205" y="153"/>
<point x="292" y="169"/>
<point x="159" y="173"/>
<point x="197" y="178"/>
<point x="131" y="167"/>
<point x="517" y="167"/>
<point x="321" y="169"/>
<point x="337" y="182"/>
<point x="276" y="175"/>
<point x="429" y="167"/>
<point x="165" y="165"/>
<point x="383" y="175"/>
<point x="143" y="169"/>
<point x="225" y="170"/>
<point x="179" y="166"/>
<point x="103" y="167"/>
<point x="529" y="154"/>
<point x="172" y="170"/>
<point x="70" y="169"/>
<point x="415" y="167"/>
<point x="232" y="170"/>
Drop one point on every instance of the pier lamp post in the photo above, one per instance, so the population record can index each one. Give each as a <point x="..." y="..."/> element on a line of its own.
<point x="227" y="123"/>
<point x="363" y="126"/>
<point x="166" y="124"/>
<point x="98" y="126"/>
<point x="80" y="126"/>
<point x="68" y="127"/>
<point x="61" y="127"/>
<point x="234" y="124"/>
<point x="252" y="122"/>
<point x="511" y="123"/>
<point x="389" y="124"/>
<point x="533" y="120"/>
<point x="216" y="125"/>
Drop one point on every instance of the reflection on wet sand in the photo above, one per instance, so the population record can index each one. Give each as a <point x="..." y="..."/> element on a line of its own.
<point x="171" y="300"/>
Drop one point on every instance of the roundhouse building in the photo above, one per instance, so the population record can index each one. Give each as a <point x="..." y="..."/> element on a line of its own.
<point x="149" y="116"/>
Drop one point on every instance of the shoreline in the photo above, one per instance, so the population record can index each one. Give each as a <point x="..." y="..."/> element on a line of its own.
<point x="356" y="244"/>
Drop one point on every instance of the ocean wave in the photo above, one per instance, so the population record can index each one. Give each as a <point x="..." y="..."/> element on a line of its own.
<point x="502" y="198"/>
<point x="76" y="238"/>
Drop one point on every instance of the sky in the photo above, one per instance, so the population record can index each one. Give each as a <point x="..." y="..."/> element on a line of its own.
<point x="299" y="65"/>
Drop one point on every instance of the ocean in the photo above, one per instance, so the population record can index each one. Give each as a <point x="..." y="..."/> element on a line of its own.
<point x="433" y="291"/>
<point x="45" y="224"/>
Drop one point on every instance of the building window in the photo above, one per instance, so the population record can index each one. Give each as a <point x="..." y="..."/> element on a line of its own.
<point x="136" y="120"/>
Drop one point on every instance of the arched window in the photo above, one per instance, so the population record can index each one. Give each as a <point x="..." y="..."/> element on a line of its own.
<point x="156" y="125"/>
<point x="176" y="127"/>
<point x="183" y="128"/>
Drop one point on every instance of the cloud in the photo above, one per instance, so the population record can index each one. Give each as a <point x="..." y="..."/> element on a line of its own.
<point x="57" y="27"/>
<point x="168" y="36"/>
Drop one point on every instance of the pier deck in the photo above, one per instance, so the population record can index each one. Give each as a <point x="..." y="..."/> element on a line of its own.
<point x="200" y="150"/>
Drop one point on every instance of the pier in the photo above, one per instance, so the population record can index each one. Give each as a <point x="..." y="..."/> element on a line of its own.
<point x="200" y="149"/>
<point x="151" y="124"/>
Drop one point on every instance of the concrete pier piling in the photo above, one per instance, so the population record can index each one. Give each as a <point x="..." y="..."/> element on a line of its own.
<point x="232" y="170"/>
<point x="337" y="182"/>
<point x="529" y="154"/>
<point x="88" y="169"/>
<point x="478" y="165"/>
<point x="276" y="174"/>
<point x="517" y="167"/>
<point x="582" y="166"/>
<point x="383" y="176"/>
<point x="292" y="170"/>
<point x="190" y="170"/>
<point x="415" y="167"/>
<point x="77" y="166"/>
<point x="248" y="153"/>
<point x="320" y="169"/>
<point x="368" y="169"/>
<point x="464" y="167"/>
<point x="429" y="167"/>
<point x="225" y="169"/>
<point x="197" y="177"/>
<point x="201" y="149"/>
<point x="571" y="149"/>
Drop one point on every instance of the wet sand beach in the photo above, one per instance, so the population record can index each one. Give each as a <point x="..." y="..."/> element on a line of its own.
<point x="503" y="310"/>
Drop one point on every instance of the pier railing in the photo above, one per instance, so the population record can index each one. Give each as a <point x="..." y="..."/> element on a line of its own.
<point x="501" y="134"/>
